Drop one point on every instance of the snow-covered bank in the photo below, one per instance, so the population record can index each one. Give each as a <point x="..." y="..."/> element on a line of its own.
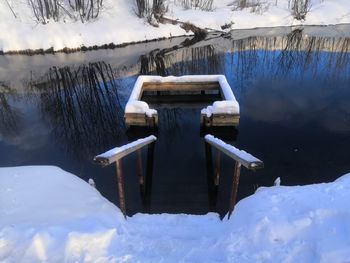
<point x="48" y="215"/>
<point x="117" y="22"/>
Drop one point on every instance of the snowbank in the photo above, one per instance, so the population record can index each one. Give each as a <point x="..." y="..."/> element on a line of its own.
<point x="49" y="215"/>
<point x="118" y="23"/>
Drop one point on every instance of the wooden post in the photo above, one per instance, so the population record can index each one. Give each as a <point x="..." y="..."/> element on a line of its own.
<point x="217" y="171"/>
<point x="120" y="186"/>
<point x="140" y="171"/>
<point x="212" y="190"/>
<point x="234" y="189"/>
<point x="148" y="182"/>
<point x="116" y="154"/>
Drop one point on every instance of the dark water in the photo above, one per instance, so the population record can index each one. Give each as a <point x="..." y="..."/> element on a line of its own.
<point x="295" y="116"/>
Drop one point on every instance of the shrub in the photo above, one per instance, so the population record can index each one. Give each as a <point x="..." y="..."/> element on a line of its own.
<point x="256" y="6"/>
<point x="299" y="8"/>
<point x="205" y="5"/>
<point x="44" y="10"/>
<point x="87" y="9"/>
<point x="142" y="7"/>
<point x="148" y="10"/>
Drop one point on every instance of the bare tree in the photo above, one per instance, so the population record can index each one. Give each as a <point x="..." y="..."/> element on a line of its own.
<point x="87" y="9"/>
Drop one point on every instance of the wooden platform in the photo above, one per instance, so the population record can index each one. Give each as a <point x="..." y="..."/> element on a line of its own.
<point x="221" y="119"/>
<point x="182" y="91"/>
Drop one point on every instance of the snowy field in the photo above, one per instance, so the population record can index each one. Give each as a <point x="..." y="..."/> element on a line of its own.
<point x="49" y="215"/>
<point x="118" y="23"/>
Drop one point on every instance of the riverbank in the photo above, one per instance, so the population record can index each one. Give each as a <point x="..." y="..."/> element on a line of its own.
<point x="49" y="215"/>
<point x="109" y="30"/>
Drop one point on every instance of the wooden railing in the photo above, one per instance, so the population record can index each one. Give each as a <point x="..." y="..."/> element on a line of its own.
<point x="241" y="158"/>
<point x="116" y="154"/>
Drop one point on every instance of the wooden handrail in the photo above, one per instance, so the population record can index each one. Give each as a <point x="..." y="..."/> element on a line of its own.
<point x="241" y="158"/>
<point x="246" y="159"/>
<point x="117" y="153"/>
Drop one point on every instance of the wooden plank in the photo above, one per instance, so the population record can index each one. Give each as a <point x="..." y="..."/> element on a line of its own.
<point x="225" y="119"/>
<point x="119" y="152"/>
<point x="180" y="86"/>
<point x="135" y="119"/>
<point x="183" y="98"/>
<point x="246" y="159"/>
<point x="220" y="120"/>
<point x="140" y="119"/>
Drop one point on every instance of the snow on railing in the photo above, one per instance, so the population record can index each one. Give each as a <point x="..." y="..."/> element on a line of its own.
<point x="246" y="159"/>
<point x="241" y="158"/>
<point x="117" y="153"/>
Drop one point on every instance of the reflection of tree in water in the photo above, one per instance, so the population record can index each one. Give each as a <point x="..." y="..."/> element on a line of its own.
<point x="295" y="55"/>
<point x="154" y="62"/>
<point x="199" y="60"/>
<point x="290" y="55"/>
<point x="244" y="61"/>
<point x="83" y="107"/>
<point x="342" y="60"/>
<point x="9" y="116"/>
<point x="203" y="60"/>
<point x="170" y="121"/>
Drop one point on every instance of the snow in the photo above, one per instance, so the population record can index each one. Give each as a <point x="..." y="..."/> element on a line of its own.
<point x="119" y="24"/>
<point x="229" y="105"/>
<point x="243" y="155"/>
<point x="277" y="182"/>
<point x="49" y="215"/>
<point x="136" y="106"/>
<point x="118" y="150"/>
<point x="220" y="107"/>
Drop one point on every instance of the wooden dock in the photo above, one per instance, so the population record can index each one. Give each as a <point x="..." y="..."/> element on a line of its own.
<point x="224" y="110"/>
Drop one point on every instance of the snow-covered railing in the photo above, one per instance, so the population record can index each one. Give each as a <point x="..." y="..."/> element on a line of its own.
<point x="241" y="157"/>
<point x="246" y="159"/>
<point x="116" y="154"/>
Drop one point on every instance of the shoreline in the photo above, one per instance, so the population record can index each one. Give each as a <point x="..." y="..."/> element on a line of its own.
<point x="234" y="34"/>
